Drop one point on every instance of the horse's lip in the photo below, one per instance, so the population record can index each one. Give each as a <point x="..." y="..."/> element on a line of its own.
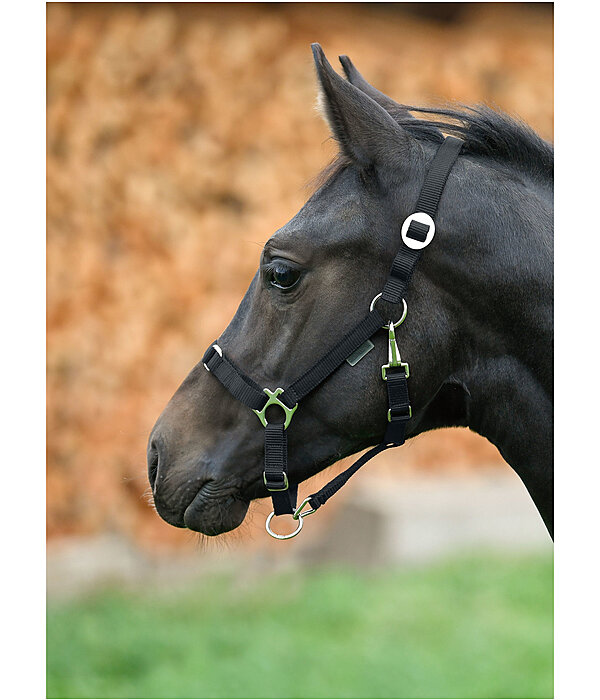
<point x="215" y="510"/>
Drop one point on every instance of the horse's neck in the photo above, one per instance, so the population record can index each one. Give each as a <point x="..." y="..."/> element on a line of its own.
<point x="510" y="407"/>
<point x="497" y="267"/>
<point x="503" y="308"/>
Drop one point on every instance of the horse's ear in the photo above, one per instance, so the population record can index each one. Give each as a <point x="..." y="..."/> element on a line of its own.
<point x="397" y="111"/>
<point x="354" y="77"/>
<point x="366" y="132"/>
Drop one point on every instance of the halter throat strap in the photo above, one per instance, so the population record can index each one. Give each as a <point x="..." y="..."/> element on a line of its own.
<point x="417" y="233"/>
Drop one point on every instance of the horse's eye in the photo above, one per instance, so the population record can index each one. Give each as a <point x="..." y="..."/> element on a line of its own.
<point x="282" y="275"/>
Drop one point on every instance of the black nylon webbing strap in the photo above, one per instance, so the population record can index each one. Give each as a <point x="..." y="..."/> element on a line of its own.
<point x="244" y="389"/>
<point x="418" y="231"/>
<point x="334" y="358"/>
<point x="406" y="259"/>
<point x="398" y="405"/>
<point x="275" y="476"/>
<point x="316" y="500"/>
<point x="234" y="380"/>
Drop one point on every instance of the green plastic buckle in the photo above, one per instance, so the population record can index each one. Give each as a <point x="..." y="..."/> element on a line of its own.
<point x="274" y="400"/>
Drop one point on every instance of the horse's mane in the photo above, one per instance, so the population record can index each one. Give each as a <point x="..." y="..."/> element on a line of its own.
<point x="486" y="132"/>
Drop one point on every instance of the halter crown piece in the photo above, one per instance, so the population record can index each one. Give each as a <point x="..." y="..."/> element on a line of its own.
<point x="417" y="233"/>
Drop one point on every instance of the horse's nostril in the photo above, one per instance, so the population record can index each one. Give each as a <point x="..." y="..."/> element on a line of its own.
<point x="153" y="461"/>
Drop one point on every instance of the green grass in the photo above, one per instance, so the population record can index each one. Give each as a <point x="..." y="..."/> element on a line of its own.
<point x="472" y="628"/>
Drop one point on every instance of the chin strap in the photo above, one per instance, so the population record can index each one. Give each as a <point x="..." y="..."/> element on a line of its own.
<point x="417" y="232"/>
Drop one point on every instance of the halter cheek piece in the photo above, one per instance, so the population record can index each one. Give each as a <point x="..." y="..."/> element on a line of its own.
<point x="417" y="233"/>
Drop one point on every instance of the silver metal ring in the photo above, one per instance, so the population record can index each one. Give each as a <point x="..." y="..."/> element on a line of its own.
<point x="422" y="218"/>
<point x="283" y="537"/>
<point x="404" y="311"/>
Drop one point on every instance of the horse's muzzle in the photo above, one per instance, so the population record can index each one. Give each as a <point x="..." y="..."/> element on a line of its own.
<point x="190" y="497"/>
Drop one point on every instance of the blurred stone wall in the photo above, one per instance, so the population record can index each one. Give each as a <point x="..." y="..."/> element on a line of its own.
<point x="179" y="138"/>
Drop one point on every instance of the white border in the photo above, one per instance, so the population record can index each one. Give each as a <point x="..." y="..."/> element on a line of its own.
<point x="577" y="485"/>
<point x="23" y="377"/>
<point x="23" y="347"/>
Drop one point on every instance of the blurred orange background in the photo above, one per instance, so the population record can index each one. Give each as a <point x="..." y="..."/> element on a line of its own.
<point x="180" y="136"/>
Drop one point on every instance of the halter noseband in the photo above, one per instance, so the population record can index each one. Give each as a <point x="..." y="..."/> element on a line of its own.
<point x="417" y="233"/>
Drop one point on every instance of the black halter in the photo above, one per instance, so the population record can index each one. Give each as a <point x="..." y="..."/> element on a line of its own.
<point x="417" y="232"/>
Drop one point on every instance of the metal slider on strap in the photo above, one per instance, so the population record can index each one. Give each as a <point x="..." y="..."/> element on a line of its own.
<point x="418" y="243"/>
<point x="404" y="416"/>
<point x="282" y="487"/>
<point x="217" y="350"/>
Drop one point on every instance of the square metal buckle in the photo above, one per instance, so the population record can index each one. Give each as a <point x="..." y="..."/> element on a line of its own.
<point x="285" y="483"/>
<point x="384" y="369"/>
<point x="399" y="417"/>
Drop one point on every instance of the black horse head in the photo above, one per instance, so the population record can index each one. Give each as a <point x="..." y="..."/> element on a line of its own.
<point x="478" y="334"/>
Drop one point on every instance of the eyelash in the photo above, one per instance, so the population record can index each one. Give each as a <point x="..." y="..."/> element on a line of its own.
<point x="270" y="268"/>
